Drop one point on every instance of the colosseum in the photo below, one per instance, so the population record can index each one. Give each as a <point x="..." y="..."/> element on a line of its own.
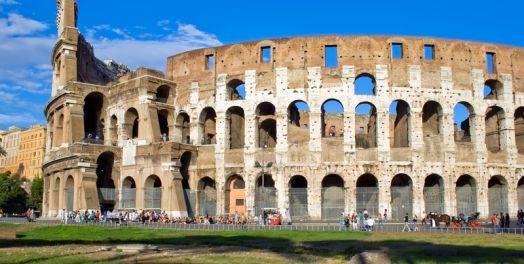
<point x="319" y="125"/>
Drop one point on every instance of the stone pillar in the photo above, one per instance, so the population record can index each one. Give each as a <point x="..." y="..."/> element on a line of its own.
<point x="314" y="192"/>
<point x="382" y="92"/>
<point x="350" y="150"/>
<point x="315" y="136"/>
<point x="194" y="115"/>
<point x="384" y="192"/>
<point x="220" y="160"/>
<point x="174" y="193"/>
<point x="418" y="195"/>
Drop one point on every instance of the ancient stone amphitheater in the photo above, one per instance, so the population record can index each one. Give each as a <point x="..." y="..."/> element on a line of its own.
<point x="319" y="125"/>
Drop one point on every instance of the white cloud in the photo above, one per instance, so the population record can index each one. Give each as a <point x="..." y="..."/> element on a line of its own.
<point x="18" y="25"/>
<point x="18" y="119"/>
<point x="152" y="53"/>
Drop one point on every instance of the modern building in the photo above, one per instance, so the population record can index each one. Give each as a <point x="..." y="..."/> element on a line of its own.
<point x="283" y="123"/>
<point x="11" y="145"/>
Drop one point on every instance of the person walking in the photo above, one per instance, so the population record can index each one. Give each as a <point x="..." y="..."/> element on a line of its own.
<point x="494" y="222"/>
<point x="506" y="221"/>
<point x="501" y="220"/>
<point x="406" y="224"/>
<point x="415" y="224"/>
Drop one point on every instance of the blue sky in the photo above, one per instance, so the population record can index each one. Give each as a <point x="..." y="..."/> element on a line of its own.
<point x="137" y="34"/>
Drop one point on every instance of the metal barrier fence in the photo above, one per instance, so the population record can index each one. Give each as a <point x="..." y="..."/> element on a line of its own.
<point x="387" y="228"/>
<point x="265" y="197"/>
<point x="128" y="198"/>
<point x="367" y="198"/>
<point x="498" y="199"/>
<point x="401" y="202"/>
<point x="152" y="197"/>
<point x="466" y="199"/>
<point x="332" y="202"/>
<point x="434" y="199"/>
<point x="298" y="202"/>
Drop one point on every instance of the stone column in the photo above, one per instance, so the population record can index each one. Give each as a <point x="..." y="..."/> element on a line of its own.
<point x="315" y="136"/>
<point x="382" y="92"/>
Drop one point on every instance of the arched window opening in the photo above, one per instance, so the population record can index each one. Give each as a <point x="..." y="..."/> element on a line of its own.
<point x="520" y="192"/>
<point x="128" y="193"/>
<point x="367" y="194"/>
<point x="466" y="195"/>
<point x="399" y="118"/>
<point x="132" y="123"/>
<point x="519" y="129"/>
<point x="494" y="121"/>
<point x="332" y="118"/>
<point x="332" y="197"/>
<point x="235" y="195"/>
<point x="298" y="202"/>
<point x="365" y="84"/>
<point x="207" y="126"/>
<point x="153" y="193"/>
<point x="113" y="130"/>
<point x="105" y="182"/>
<point x="366" y="125"/>
<point x="162" y="93"/>
<point x="207" y="197"/>
<point x="401" y="196"/>
<point x="497" y="195"/>
<point x="182" y="127"/>
<point x="236" y="90"/>
<point x="267" y="125"/>
<point x="298" y="122"/>
<point x="94" y="111"/>
<point x="431" y="119"/>
<point x="463" y="122"/>
<point x="235" y="123"/>
<point x="434" y="194"/>
<point x="60" y="130"/>
<point x="163" y="116"/>
<point x="493" y="89"/>
<point x="70" y="193"/>
<point x="265" y="194"/>
<point x="189" y="195"/>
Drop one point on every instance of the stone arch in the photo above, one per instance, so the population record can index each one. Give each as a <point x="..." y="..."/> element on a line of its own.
<point x="267" y="125"/>
<point x="236" y="90"/>
<point x="366" y="125"/>
<point x="520" y="192"/>
<point x="182" y="128"/>
<point x="333" y="193"/>
<point x="69" y="193"/>
<point x="95" y="104"/>
<point x="400" y="115"/>
<point x="128" y="193"/>
<point x="152" y="192"/>
<point x="207" y="197"/>
<point x="56" y="194"/>
<point x="105" y="182"/>
<point x="164" y="118"/>
<point x="298" y="122"/>
<point x="207" y="126"/>
<point x="519" y="129"/>
<point x="432" y="119"/>
<point x="463" y="113"/>
<point x="265" y="193"/>
<point x="235" y="195"/>
<point x="494" y="120"/>
<point x="332" y="118"/>
<point x="367" y="193"/>
<point x="132" y="123"/>
<point x="466" y="195"/>
<point x="401" y="196"/>
<point x="298" y="199"/>
<point x="433" y="193"/>
<point x="365" y="84"/>
<point x="113" y="130"/>
<point x="493" y="89"/>
<point x="189" y="194"/>
<point x="59" y="131"/>
<point x="235" y="128"/>
<point x="497" y="195"/>
<point x="163" y="93"/>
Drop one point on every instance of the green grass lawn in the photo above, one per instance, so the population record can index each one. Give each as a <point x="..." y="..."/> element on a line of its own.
<point x="281" y="246"/>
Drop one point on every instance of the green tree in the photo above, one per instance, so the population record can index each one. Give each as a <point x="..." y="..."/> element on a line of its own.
<point x="12" y="196"/>
<point x="36" y="195"/>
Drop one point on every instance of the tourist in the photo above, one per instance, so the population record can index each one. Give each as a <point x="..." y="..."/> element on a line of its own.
<point x="520" y="217"/>
<point x="506" y="221"/>
<point x="423" y="216"/>
<point x="385" y="215"/>
<point x="501" y="220"/>
<point x="366" y="213"/>
<point x="341" y="221"/>
<point x="369" y="224"/>
<point x="406" y="224"/>
<point x="380" y="220"/>
<point x="415" y="224"/>
<point x="495" y="223"/>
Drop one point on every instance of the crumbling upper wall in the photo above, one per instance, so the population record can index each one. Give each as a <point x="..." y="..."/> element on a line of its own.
<point x="363" y="52"/>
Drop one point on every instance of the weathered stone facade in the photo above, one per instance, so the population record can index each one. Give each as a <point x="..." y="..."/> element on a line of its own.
<point x="188" y="142"/>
